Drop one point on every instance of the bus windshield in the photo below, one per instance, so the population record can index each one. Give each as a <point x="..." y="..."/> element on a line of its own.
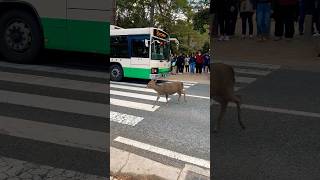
<point x="159" y="49"/>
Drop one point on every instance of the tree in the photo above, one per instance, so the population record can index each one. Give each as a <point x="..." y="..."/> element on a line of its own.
<point x="173" y="16"/>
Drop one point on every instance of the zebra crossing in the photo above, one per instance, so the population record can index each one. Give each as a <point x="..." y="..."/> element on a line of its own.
<point x="52" y="122"/>
<point x="247" y="72"/>
<point x="54" y="118"/>
<point x="133" y="96"/>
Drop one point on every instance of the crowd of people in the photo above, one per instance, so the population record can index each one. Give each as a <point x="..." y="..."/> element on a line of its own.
<point x="193" y="63"/>
<point x="286" y="13"/>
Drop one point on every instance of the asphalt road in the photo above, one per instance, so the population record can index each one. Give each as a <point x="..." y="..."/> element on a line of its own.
<point x="279" y="143"/>
<point x="181" y="128"/>
<point x="53" y="119"/>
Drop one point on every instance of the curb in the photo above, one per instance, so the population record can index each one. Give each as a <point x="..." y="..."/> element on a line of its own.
<point x="125" y="162"/>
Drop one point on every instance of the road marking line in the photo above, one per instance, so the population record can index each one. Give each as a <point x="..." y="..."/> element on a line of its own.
<point x="133" y="105"/>
<point x="63" y="135"/>
<point x="53" y="103"/>
<point x="251" y="71"/>
<point x="240" y="79"/>
<point x="138" y="96"/>
<point x="129" y="84"/>
<point x="132" y="88"/>
<point x="195" y="96"/>
<point x="54" y="82"/>
<point x="125" y="118"/>
<point x="164" y="152"/>
<point x="143" y="85"/>
<point x="60" y="70"/>
<point x="250" y="64"/>
<point x="277" y="110"/>
<point x="237" y="88"/>
<point x="190" y="82"/>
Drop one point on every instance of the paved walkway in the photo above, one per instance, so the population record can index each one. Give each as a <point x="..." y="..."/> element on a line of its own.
<point x="300" y="53"/>
<point x="203" y="78"/>
<point x="123" y="165"/>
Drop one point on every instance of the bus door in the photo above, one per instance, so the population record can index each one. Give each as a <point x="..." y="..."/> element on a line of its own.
<point x="139" y="50"/>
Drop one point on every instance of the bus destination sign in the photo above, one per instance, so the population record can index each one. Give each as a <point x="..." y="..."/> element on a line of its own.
<point x="160" y="34"/>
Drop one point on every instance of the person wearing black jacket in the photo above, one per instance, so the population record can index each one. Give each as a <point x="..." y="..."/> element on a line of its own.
<point x="224" y="11"/>
<point x="234" y="8"/>
<point x="285" y="15"/>
<point x="180" y="63"/>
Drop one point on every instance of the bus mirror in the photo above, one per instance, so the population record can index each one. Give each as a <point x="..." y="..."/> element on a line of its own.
<point x="146" y="42"/>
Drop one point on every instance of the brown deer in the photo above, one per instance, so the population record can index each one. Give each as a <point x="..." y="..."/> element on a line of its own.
<point x="167" y="89"/>
<point x="222" y="91"/>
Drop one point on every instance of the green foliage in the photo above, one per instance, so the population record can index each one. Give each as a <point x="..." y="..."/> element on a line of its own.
<point x="180" y="17"/>
<point x="201" y="19"/>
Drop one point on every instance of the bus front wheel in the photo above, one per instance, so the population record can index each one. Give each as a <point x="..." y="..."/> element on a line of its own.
<point x="20" y="36"/>
<point x="116" y="73"/>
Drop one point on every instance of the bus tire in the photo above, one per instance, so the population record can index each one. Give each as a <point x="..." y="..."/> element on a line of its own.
<point x="21" y="39"/>
<point x="116" y="72"/>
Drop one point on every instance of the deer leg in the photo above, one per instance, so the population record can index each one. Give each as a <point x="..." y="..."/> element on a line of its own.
<point x="167" y="99"/>
<point x="179" y="96"/>
<point x="156" y="101"/>
<point x="223" y="109"/>
<point x="237" y="100"/>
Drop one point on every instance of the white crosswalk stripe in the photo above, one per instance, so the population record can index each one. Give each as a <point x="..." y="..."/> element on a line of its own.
<point x="247" y="73"/>
<point x="34" y="123"/>
<point x="124" y="96"/>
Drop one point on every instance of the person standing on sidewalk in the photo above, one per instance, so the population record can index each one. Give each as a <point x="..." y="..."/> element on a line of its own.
<point x="234" y="11"/>
<point x="199" y="62"/>
<point x="206" y="62"/>
<point x="180" y="63"/>
<point x="192" y="62"/>
<point x="301" y="16"/>
<point x="263" y="13"/>
<point x="223" y="14"/>
<point x="186" y="63"/>
<point x="315" y="18"/>
<point x="246" y="14"/>
<point x="285" y="15"/>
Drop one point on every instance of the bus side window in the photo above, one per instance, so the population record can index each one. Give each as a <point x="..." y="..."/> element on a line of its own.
<point x="139" y="48"/>
<point x="119" y="47"/>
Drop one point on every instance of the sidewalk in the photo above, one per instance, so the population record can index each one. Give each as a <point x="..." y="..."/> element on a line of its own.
<point x="203" y="78"/>
<point x="299" y="54"/>
<point x="128" y="166"/>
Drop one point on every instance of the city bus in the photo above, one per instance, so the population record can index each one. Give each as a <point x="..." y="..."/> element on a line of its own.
<point x="139" y="53"/>
<point x="28" y="26"/>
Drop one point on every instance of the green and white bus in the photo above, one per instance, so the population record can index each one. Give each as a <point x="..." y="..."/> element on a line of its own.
<point x="28" y="26"/>
<point x="139" y="53"/>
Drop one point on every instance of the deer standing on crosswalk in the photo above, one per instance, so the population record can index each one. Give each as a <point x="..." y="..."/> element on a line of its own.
<point x="167" y="89"/>
<point x="222" y="91"/>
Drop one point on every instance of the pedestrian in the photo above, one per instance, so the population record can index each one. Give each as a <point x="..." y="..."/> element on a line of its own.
<point x="315" y="18"/>
<point x="174" y="65"/>
<point x="246" y="14"/>
<point x="192" y="62"/>
<point x="180" y="63"/>
<point x="302" y="16"/>
<point x="199" y="62"/>
<point x="206" y="63"/>
<point x="234" y="11"/>
<point x="285" y="15"/>
<point x="263" y="13"/>
<point x="186" y="63"/>
<point x="223" y="14"/>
